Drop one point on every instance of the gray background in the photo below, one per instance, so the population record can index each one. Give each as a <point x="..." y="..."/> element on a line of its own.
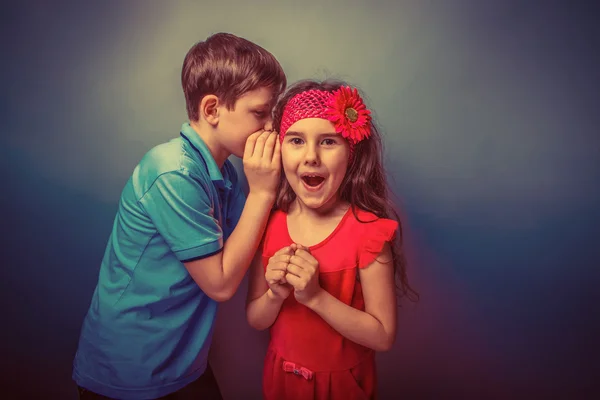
<point x="489" y="111"/>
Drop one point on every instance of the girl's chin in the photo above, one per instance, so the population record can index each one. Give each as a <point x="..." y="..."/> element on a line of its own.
<point x="315" y="203"/>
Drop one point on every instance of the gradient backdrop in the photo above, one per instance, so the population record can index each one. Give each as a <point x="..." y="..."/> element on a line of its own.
<point x="490" y="116"/>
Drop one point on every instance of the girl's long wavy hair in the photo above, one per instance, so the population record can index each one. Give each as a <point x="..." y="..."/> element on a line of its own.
<point x="364" y="186"/>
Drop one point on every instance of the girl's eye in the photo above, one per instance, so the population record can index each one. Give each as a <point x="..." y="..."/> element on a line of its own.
<point x="329" y="142"/>
<point x="296" y="141"/>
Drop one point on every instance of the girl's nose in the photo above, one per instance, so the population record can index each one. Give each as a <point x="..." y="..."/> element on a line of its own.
<point x="311" y="157"/>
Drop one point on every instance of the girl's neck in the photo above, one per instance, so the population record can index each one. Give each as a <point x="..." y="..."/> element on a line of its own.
<point x="332" y="209"/>
<point x="309" y="226"/>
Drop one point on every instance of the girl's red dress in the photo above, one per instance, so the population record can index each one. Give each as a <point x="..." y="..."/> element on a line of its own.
<point x="307" y="358"/>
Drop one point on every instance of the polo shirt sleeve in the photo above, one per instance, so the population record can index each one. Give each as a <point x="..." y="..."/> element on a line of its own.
<point x="183" y="213"/>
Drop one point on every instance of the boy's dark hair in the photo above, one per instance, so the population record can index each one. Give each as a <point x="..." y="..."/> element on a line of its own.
<point x="227" y="66"/>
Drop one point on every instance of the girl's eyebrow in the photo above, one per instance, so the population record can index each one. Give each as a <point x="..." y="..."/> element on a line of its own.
<point x="301" y="134"/>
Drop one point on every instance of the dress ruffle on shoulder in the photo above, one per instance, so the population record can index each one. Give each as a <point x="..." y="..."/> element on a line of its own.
<point x="375" y="235"/>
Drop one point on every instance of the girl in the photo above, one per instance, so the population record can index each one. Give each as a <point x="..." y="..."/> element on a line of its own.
<point x="324" y="280"/>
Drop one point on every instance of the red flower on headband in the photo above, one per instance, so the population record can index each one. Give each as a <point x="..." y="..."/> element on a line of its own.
<point x="349" y="114"/>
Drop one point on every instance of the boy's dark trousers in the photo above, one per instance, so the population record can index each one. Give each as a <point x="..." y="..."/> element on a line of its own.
<point x="205" y="388"/>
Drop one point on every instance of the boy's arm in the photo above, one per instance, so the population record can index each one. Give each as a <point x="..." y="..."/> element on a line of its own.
<point x="182" y="211"/>
<point x="219" y="275"/>
<point x="262" y="306"/>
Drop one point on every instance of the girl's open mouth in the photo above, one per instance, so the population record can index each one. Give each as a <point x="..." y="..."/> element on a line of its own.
<point x="312" y="182"/>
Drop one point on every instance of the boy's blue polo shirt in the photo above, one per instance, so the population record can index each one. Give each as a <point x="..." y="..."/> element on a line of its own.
<point x="149" y="327"/>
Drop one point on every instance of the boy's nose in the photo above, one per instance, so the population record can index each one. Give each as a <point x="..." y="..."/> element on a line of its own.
<point x="269" y="125"/>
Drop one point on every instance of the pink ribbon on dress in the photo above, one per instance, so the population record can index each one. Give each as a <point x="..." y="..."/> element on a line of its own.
<point x="291" y="367"/>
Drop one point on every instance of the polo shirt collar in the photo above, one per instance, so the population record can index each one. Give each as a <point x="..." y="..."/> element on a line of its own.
<point x="196" y="141"/>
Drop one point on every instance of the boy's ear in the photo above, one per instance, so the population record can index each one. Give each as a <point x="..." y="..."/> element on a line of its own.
<point x="209" y="109"/>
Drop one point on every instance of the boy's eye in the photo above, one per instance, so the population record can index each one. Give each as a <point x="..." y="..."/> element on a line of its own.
<point x="260" y="114"/>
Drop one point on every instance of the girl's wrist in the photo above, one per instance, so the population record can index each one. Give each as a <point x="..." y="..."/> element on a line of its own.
<point x="315" y="301"/>
<point x="272" y="297"/>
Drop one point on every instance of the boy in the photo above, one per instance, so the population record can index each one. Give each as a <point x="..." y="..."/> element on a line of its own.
<point x="184" y="234"/>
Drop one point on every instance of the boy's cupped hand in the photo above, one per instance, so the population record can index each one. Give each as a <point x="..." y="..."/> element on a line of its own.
<point x="262" y="162"/>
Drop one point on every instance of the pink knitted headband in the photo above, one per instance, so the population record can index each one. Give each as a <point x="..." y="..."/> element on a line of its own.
<point x="344" y="107"/>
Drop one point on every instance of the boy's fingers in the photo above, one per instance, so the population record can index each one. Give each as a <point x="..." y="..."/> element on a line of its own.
<point x="250" y="143"/>
<point x="269" y="147"/>
<point x="260" y="144"/>
<point x="276" y="160"/>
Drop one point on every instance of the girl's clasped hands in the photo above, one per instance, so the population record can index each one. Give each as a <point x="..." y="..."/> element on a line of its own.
<point x="293" y="268"/>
